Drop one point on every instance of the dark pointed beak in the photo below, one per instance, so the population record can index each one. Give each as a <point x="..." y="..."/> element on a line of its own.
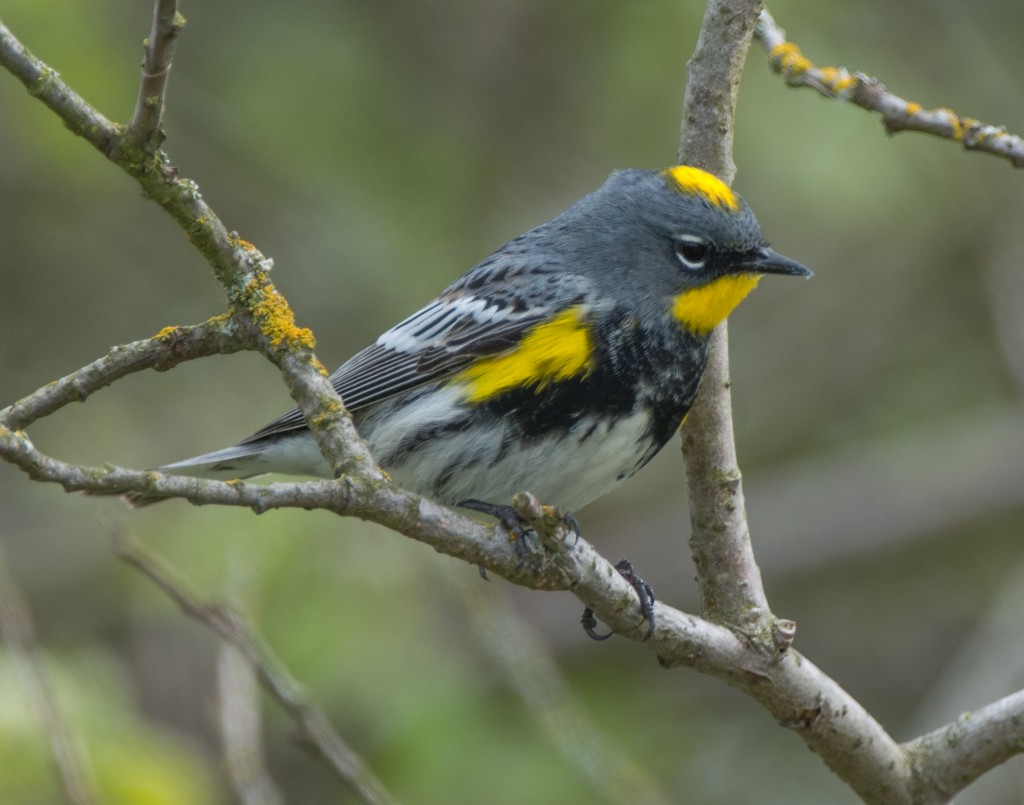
<point x="768" y="261"/>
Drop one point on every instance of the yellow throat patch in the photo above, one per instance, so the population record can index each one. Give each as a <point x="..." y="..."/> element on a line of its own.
<point x="556" y="350"/>
<point x="701" y="309"/>
<point x="696" y="182"/>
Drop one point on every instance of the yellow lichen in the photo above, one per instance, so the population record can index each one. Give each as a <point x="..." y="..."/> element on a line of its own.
<point x="913" y="109"/>
<point x="837" y="79"/>
<point x="981" y="134"/>
<point x="275" y="317"/>
<point x="329" y="409"/>
<point x="787" y="58"/>
<point x="166" y="332"/>
<point x="954" y="122"/>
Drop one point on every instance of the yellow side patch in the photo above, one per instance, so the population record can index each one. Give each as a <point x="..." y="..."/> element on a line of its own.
<point x="556" y="350"/>
<point x="701" y="183"/>
<point x="701" y="309"/>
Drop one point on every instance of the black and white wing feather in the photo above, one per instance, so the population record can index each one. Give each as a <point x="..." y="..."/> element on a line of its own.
<point x="485" y="312"/>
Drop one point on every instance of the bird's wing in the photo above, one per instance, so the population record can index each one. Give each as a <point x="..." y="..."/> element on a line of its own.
<point x="486" y="312"/>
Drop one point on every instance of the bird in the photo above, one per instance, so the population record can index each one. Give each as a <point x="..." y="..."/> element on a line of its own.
<point x="560" y="364"/>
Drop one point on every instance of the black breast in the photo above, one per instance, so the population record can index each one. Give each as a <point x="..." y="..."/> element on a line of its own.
<point x="635" y="366"/>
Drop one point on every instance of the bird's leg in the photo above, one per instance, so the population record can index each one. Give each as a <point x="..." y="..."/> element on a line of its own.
<point x="644" y="592"/>
<point x="528" y="522"/>
<point x="510" y="518"/>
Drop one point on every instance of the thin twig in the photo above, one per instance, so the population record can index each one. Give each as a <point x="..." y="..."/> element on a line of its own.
<point x="315" y="730"/>
<point x="869" y="93"/>
<point x="16" y="628"/>
<point x="171" y="346"/>
<point x="156" y="69"/>
<point x="44" y="83"/>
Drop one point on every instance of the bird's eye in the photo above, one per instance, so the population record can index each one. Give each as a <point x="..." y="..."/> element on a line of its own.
<point x="692" y="251"/>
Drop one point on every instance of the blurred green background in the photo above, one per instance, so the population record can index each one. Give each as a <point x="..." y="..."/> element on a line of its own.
<point x="376" y="150"/>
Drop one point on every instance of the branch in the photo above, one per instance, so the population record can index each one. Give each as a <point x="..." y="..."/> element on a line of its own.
<point x="869" y="93"/>
<point x="952" y="757"/>
<point x="240" y="708"/>
<point x="16" y="628"/>
<point x="171" y="346"/>
<point x="43" y="83"/>
<point x="730" y="582"/>
<point x="156" y="69"/>
<point x="237" y="264"/>
<point x="316" y="732"/>
<point x="238" y="716"/>
<point x="831" y="722"/>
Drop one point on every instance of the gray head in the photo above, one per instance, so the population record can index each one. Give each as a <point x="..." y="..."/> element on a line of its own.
<point x="675" y="241"/>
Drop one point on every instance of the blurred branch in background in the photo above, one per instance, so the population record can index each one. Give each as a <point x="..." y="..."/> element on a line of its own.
<point x="869" y="93"/>
<point x="239" y="708"/>
<point x="527" y="667"/>
<point x="315" y="732"/>
<point x="241" y="729"/>
<point x="1006" y="298"/>
<point x="867" y="498"/>
<point x="73" y="769"/>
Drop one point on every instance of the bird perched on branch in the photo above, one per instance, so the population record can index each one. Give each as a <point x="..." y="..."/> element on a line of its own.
<point x="561" y="364"/>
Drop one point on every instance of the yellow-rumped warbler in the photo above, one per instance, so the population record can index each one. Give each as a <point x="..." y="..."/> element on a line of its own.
<point x="561" y="364"/>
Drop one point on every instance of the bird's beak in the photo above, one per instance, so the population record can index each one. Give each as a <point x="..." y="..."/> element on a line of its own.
<point x="768" y="261"/>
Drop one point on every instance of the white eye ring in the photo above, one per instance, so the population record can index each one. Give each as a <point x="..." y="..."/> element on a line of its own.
<point x="692" y="251"/>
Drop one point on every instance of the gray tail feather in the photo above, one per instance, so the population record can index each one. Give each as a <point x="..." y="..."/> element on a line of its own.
<point x="231" y="463"/>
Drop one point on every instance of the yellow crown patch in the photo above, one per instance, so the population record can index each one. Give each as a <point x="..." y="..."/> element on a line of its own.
<point x="700" y="183"/>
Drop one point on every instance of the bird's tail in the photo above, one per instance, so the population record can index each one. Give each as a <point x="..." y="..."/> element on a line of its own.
<point x="229" y="464"/>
